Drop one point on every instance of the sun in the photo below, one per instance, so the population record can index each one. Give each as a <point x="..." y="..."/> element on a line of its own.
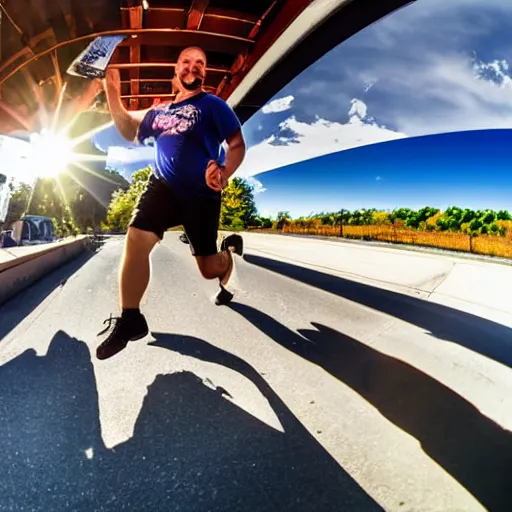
<point x="50" y="154"/>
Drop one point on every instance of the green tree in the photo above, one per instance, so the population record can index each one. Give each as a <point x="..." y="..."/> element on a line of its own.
<point x="327" y="219"/>
<point x="262" y="222"/>
<point x="266" y="222"/>
<point x="20" y="195"/>
<point x="419" y="219"/>
<point x="124" y="201"/>
<point x="88" y="213"/>
<point x="283" y="218"/>
<point x="48" y="200"/>
<point x="494" y="229"/>
<point x="356" y="219"/>
<point x="238" y="210"/>
<point x="488" y="217"/>
<point x="504" y="215"/>
<point x="67" y="201"/>
<point x="467" y="216"/>
<point x="380" y="218"/>
<point x="89" y="196"/>
<point x="342" y="217"/>
<point x="475" y="225"/>
<point x="400" y="214"/>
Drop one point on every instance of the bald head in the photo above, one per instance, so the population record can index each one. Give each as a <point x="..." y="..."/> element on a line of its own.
<point x="192" y="51"/>
<point x="190" y="70"/>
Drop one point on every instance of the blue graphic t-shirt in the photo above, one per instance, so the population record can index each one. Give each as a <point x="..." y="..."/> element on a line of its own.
<point x="186" y="135"/>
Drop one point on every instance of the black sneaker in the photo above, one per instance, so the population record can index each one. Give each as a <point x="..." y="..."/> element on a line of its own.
<point x="223" y="297"/>
<point x="124" y="330"/>
<point x="234" y="242"/>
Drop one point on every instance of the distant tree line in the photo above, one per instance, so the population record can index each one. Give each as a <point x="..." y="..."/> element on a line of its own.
<point x="105" y="200"/>
<point x="74" y="205"/>
<point x="453" y="219"/>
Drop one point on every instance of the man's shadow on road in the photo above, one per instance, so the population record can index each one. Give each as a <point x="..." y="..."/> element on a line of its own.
<point x="191" y="450"/>
<point x="491" y="339"/>
<point x="475" y="450"/>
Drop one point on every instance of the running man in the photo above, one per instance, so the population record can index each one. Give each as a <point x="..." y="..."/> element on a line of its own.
<point x="191" y="171"/>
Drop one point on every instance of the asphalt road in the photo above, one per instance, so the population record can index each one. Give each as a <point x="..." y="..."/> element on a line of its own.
<point x="311" y="392"/>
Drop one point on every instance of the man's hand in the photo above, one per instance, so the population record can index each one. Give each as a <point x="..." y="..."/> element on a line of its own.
<point x="95" y="87"/>
<point x="112" y="81"/>
<point x="86" y="98"/>
<point x="127" y="123"/>
<point x="215" y="178"/>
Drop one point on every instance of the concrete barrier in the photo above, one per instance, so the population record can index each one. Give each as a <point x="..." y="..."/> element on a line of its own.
<point x="20" y="267"/>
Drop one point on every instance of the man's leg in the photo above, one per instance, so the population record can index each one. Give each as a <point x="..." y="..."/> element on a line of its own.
<point x="153" y="213"/>
<point x="201" y="224"/>
<point x="135" y="269"/>
<point x="134" y="276"/>
<point x="220" y="264"/>
<point x="216" y="266"/>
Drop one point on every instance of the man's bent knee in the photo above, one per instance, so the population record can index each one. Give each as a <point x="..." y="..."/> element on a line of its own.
<point x="140" y="240"/>
<point x="208" y="272"/>
<point x="208" y="267"/>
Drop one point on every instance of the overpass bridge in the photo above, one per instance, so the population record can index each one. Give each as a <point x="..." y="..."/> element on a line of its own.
<point x="254" y="48"/>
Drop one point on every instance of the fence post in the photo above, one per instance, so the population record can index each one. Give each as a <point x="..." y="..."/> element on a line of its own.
<point x="341" y="229"/>
<point x="471" y="242"/>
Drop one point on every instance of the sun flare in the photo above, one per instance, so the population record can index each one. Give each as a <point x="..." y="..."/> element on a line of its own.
<point x="50" y="154"/>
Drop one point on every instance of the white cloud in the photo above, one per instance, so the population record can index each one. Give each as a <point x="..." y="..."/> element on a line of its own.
<point x="495" y="71"/>
<point x="312" y="140"/>
<point x="438" y="22"/>
<point x="449" y="92"/>
<point x="358" y="109"/>
<point x="278" y="105"/>
<point x="258" y="186"/>
<point x="420" y="69"/>
<point x="368" y="86"/>
<point x="128" y="155"/>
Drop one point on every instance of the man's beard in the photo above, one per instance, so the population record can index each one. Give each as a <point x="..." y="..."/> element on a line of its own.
<point x="195" y="84"/>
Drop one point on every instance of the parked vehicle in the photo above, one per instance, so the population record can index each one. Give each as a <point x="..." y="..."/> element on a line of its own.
<point x="34" y="230"/>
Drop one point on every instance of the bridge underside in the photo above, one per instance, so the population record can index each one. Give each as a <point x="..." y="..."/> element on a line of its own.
<point x="254" y="48"/>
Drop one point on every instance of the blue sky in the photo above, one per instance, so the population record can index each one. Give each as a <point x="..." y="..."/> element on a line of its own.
<point x="433" y="67"/>
<point x="470" y="169"/>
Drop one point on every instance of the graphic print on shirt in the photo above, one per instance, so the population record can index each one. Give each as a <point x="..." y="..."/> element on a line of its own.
<point x="176" y="121"/>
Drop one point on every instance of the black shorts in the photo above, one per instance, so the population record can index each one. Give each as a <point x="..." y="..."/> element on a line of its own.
<point x="160" y="208"/>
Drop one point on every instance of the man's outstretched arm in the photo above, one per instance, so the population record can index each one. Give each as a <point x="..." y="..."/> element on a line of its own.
<point x="127" y="123"/>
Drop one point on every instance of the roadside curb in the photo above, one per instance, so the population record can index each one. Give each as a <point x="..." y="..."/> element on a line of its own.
<point x="19" y="273"/>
